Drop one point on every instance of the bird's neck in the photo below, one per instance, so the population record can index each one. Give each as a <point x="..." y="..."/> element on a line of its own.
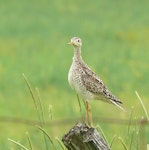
<point x="77" y="54"/>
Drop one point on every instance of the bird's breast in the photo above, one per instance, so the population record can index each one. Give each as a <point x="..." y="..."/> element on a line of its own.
<point x="74" y="77"/>
<point x="75" y="81"/>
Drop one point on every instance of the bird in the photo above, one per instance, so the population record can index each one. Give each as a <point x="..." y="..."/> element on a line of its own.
<point x="86" y="83"/>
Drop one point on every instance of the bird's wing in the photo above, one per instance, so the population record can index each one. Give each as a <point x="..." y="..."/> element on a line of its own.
<point x="95" y="85"/>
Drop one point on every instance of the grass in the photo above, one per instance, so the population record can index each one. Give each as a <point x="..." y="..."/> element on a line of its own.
<point x="39" y="110"/>
<point x="33" y="41"/>
<point x="133" y="135"/>
<point x="146" y="113"/>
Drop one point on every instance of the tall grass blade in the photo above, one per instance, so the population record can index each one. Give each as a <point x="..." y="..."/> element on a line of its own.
<point x="40" y="106"/>
<point x="80" y="106"/>
<point x="60" y="143"/>
<point x="123" y="143"/>
<point x="137" y="141"/>
<point x="113" y="139"/>
<point x="98" y="126"/>
<point x="138" y="125"/>
<point x="50" y="139"/>
<point x="142" y="105"/>
<point x="33" y="96"/>
<point x="29" y="141"/>
<point x="17" y="143"/>
<point x="50" y="112"/>
<point x="132" y="136"/>
<point x="41" y="119"/>
<point x="130" y="120"/>
<point x="138" y="129"/>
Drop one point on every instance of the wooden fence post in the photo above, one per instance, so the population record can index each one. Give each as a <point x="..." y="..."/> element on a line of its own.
<point x="83" y="137"/>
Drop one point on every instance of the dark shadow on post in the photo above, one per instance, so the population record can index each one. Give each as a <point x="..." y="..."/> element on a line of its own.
<point x="83" y="137"/>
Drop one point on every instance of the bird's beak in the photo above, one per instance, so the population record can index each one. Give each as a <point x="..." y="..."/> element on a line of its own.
<point x="70" y="43"/>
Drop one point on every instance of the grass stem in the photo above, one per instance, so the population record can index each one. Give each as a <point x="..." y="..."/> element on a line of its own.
<point x="142" y="105"/>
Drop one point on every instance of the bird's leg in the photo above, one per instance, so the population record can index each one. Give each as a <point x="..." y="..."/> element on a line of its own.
<point x="80" y="107"/>
<point x="89" y="114"/>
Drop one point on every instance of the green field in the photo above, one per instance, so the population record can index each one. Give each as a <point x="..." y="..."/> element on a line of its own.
<point x="33" y="41"/>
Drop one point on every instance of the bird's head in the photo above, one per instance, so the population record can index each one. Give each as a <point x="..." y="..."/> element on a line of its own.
<point x="75" y="42"/>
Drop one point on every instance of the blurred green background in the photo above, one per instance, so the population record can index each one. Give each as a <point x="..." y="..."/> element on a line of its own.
<point x="33" y="41"/>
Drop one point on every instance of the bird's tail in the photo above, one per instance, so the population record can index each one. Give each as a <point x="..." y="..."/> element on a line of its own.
<point x="115" y="103"/>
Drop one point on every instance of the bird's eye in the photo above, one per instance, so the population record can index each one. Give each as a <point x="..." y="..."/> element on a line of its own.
<point x="78" y="40"/>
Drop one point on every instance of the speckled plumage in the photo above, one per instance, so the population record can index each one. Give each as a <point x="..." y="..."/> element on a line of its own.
<point x="85" y="82"/>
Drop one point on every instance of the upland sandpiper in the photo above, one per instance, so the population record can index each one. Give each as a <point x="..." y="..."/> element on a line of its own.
<point x="86" y="83"/>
